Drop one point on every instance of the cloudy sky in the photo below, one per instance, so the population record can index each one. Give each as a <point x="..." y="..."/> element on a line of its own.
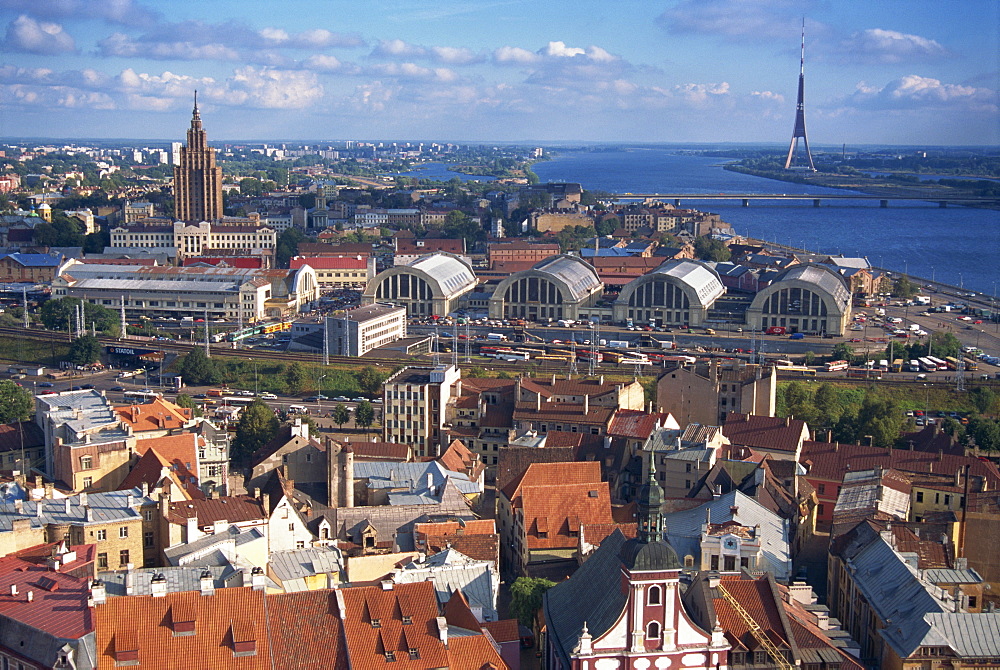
<point x="919" y="72"/>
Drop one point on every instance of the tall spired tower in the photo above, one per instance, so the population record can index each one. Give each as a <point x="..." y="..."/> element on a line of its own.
<point x="800" y="114"/>
<point x="197" y="179"/>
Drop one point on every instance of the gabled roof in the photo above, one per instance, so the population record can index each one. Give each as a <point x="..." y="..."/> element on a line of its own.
<point x="142" y="628"/>
<point x="234" y="509"/>
<point x="830" y="460"/>
<point x="150" y="471"/>
<point x="765" y="432"/>
<point x="58" y="606"/>
<point x="757" y="599"/>
<point x="375" y="622"/>
<point x="634" y="424"/>
<point x="11" y="435"/>
<point x="159" y="414"/>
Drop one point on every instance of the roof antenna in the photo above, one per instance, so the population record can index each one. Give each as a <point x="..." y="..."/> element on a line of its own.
<point x="195" y="101"/>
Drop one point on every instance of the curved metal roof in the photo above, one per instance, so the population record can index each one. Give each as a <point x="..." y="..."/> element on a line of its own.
<point x="703" y="280"/>
<point x="451" y="274"/>
<point x="579" y="276"/>
<point x="825" y="278"/>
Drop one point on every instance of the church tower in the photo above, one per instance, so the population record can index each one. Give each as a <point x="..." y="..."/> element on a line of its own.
<point x="197" y="179"/>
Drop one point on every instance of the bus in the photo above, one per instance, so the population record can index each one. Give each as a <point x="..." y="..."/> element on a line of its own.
<point x="927" y="365"/>
<point x="802" y="370"/>
<point x="632" y="360"/>
<point x="837" y="366"/>
<point x="613" y="356"/>
<point x="142" y="396"/>
<point x="278" y="327"/>
<point x="897" y="365"/>
<point x="678" y="358"/>
<point x="588" y="355"/>
<point x="883" y="365"/>
<point x="512" y="355"/>
<point x="971" y="364"/>
<point x="553" y="358"/>
<point x="216" y="393"/>
<point x="914" y="366"/>
<point x="951" y="362"/>
<point x="941" y="365"/>
<point x="235" y="400"/>
<point x="864" y="373"/>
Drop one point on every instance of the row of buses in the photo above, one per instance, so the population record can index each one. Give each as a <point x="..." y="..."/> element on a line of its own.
<point x="582" y="355"/>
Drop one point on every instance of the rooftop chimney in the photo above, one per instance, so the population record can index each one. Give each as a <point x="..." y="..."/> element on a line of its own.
<point x="158" y="585"/>
<point x="586" y="403"/>
<point x="31" y="596"/>
<point x="98" y="592"/>
<point x="206" y="583"/>
<point x="83" y="499"/>
<point x="442" y="625"/>
<point x="257" y="580"/>
<point x="13" y="589"/>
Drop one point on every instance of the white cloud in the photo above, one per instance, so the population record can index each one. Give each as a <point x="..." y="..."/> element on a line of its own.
<point x="398" y="49"/>
<point x="734" y="19"/>
<point x="322" y="63"/>
<point x="700" y="93"/>
<point x="770" y="96"/>
<point x="24" y="34"/>
<point x="315" y="38"/>
<point x="123" y="46"/>
<point x="413" y="71"/>
<point x="270" y="88"/>
<point x="560" y="50"/>
<point x="878" y="46"/>
<point x="515" y="55"/>
<point x="916" y="92"/>
<point x="124" y="12"/>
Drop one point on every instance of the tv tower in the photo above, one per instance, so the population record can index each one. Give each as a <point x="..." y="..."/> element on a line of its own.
<point x="800" y="114"/>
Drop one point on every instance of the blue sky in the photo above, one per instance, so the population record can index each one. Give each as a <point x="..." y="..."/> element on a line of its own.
<point x="917" y="72"/>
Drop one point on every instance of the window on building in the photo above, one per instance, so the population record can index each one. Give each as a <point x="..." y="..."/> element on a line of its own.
<point x="86" y="462"/>
<point x="653" y="630"/>
<point x="654" y="596"/>
<point x="920" y="496"/>
<point x="820" y="509"/>
<point x="88" y="482"/>
<point x="102" y="534"/>
<point x="123" y="532"/>
<point x="730" y="563"/>
<point x="714" y="562"/>
<point x="973" y="602"/>
<point x="123" y="557"/>
<point x="822" y="489"/>
<point x="947" y="499"/>
<point x="759" y="657"/>
<point x="147" y="539"/>
<point x="102" y="561"/>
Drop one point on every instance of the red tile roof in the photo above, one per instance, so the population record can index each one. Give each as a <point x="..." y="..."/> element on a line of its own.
<point x="306" y="631"/>
<point x="429" y="245"/>
<point x="765" y="432"/>
<point x="157" y="415"/>
<point x="229" y="620"/>
<point x="367" y="644"/>
<point x="595" y="533"/>
<point x="234" y="509"/>
<point x="331" y="262"/>
<point x="149" y="471"/>
<point x="59" y="600"/>
<point x="505" y="630"/>
<point x="553" y="515"/>
<point x="757" y="599"/>
<point x="382" y="451"/>
<point x="11" y="435"/>
<point x="551" y="474"/>
<point x="830" y="460"/>
<point x="633" y="424"/>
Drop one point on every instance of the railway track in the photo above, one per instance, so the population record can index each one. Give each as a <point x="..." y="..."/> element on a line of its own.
<point x="221" y="350"/>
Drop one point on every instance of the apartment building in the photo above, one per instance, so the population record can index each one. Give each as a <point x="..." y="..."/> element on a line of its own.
<point x="415" y="400"/>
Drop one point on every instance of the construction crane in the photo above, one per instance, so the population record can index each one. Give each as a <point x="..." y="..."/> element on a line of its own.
<point x="776" y="654"/>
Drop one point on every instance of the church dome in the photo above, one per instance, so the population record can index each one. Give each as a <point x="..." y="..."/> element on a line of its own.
<point x="652" y="556"/>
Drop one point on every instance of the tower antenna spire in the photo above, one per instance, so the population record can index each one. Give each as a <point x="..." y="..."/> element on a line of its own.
<point x="195" y="101"/>
<point x="800" y="114"/>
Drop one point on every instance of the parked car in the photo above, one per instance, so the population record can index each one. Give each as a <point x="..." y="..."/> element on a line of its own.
<point x="341" y="398"/>
<point x="116" y="389"/>
<point x="268" y="396"/>
<point x="46" y="385"/>
<point x="359" y="399"/>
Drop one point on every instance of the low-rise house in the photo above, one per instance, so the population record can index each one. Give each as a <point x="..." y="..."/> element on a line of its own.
<point x="541" y="513"/>
<point x="476" y="539"/>
<point x="731" y="533"/>
<point x="45" y="621"/>
<point x="306" y="569"/>
<point x="898" y="614"/>
<point x="170" y="579"/>
<point x="450" y="571"/>
<point x="779" y="437"/>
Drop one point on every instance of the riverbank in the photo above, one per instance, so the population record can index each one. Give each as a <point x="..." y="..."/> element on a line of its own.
<point x="862" y="184"/>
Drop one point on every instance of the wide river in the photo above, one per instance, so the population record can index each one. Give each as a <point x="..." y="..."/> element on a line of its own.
<point x="956" y="245"/>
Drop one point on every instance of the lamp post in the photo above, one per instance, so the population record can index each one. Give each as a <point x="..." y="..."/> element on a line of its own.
<point x="319" y="393"/>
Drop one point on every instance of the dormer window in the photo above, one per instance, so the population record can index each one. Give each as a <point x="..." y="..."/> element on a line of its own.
<point x="414" y="654"/>
<point x="407" y="620"/>
<point x="376" y="623"/>
<point x="390" y="656"/>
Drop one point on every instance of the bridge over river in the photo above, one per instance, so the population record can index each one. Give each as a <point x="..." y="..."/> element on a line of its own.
<point x="747" y="198"/>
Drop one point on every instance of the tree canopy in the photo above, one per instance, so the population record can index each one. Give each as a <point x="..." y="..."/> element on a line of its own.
<point x="84" y="350"/>
<point x="197" y="368"/>
<point x="341" y="415"/>
<point x="364" y="415"/>
<point x="59" y="314"/>
<point x="708" y="249"/>
<point x="369" y="379"/>
<point x="257" y="426"/>
<point x="526" y="597"/>
<point x="16" y="403"/>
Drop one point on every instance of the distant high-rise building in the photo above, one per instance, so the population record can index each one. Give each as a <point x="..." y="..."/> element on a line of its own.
<point x="197" y="179"/>
<point x="800" y="111"/>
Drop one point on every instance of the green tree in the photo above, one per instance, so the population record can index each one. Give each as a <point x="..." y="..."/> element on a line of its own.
<point x="84" y="350"/>
<point x="842" y="351"/>
<point x="526" y="598"/>
<point x="287" y="246"/>
<point x="904" y="288"/>
<point x="295" y="377"/>
<point x="827" y="403"/>
<point x="983" y="398"/>
<point x="460" y="225"/>
<point x="197" y="368"/>
<point x="16" y="403"/>
<point x="257" y="426"/>
<point x="186" y="401"/>
<point x="881" y="417"/>
<point x="607" y="225"/>
<point x="708" y="249"/>
<point x="364" y="415"/>
<point x="985" y="433"/>
<point x="810" y="357"/>
<point x="369" y="379"/>
<point x="341" y="415"/>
